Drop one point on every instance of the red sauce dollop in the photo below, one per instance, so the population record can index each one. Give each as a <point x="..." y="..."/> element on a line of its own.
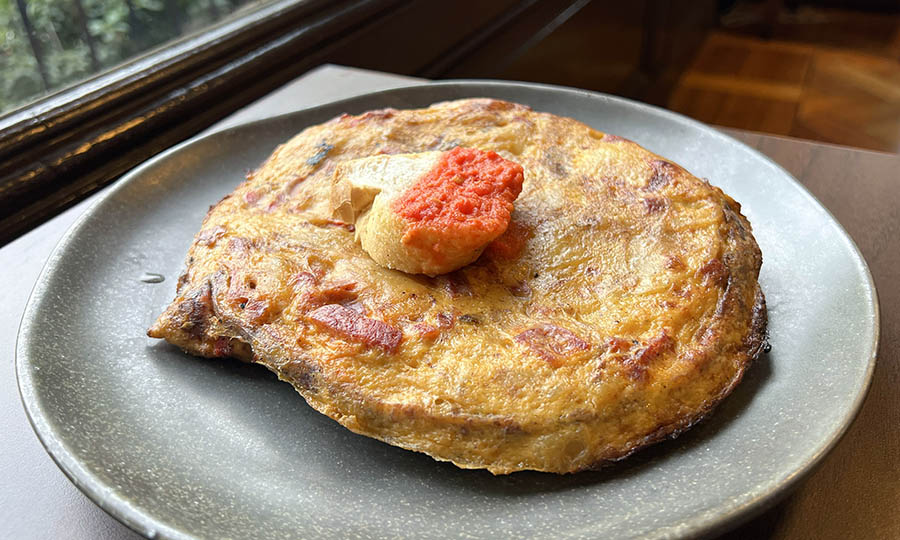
<point x="466" y="199"/>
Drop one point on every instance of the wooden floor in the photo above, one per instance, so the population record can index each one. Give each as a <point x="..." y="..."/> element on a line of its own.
<point x="823" y="74"/>
<point x="818" y="92"/>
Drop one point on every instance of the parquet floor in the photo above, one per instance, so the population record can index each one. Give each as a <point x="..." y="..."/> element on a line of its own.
<point x="824" y="74"/>
<point x="821" y="92"/>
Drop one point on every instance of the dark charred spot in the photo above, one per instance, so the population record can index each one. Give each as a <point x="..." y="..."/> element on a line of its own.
<point x="654" y="205"/>
<point x="348" y="324"/>
<point x="732" y="207"/>
<point x="208" y="237"/>
<point x="322" y="152"/>
<point x="674" y="262"/>
<point x="222" y="347"/>
<point x="555" y="161"/>
<point x="521" y="290"/>
<point x="714" y="272"/>
<point x="757" y="340"/>
<point x="663" y="173"/>
<point x="657" y="182"/>
<point x="637" y="363"/>
<point x="469" y="319"/>
<point x="196" y="310"/>
<point x="552" y="343"/>
<point x="301" y="374"/>
<point x="733" y="217"/>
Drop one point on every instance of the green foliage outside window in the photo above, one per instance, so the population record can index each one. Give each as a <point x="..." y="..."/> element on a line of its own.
<point x="77" y="38"/>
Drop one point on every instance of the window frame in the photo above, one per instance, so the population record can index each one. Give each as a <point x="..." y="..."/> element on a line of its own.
<point x="59" y="149"/>
<point x="64" y="146"/>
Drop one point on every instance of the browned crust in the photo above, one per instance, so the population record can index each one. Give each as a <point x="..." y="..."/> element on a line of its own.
<point x="755" y="345"/>
<point x="195" y="323"/>
<point x="745" y="266"/>
<point x="746" y="261"/>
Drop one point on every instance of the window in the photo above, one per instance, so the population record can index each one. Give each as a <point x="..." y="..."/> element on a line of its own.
<point x="48" y="44"/>
<point x="56" y="150"/>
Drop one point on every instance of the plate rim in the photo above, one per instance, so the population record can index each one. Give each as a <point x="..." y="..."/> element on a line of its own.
<point x="131" y="515"/>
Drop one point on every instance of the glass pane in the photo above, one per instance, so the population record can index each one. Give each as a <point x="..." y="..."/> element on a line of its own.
<point x="46" y="45"/>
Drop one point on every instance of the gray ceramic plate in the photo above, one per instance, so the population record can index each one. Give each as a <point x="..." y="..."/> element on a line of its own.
<point x="179" y="447"/>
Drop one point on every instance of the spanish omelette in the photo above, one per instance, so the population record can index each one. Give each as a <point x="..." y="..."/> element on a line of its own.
<point x="618" y="308"/>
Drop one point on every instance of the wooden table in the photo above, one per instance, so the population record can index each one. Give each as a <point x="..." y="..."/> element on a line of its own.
<point x="855" y="493"/>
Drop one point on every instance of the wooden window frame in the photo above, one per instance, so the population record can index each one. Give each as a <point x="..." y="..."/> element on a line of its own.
<point x="59" y="149"/>
<point x="65" y="146"/>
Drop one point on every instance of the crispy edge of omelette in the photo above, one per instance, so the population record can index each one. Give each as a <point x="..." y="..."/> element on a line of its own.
<point x="498" y="443"/>
<point x="493" y="438"/>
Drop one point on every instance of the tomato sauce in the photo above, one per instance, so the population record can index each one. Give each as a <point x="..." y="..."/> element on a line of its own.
<point x="466" y="199"/>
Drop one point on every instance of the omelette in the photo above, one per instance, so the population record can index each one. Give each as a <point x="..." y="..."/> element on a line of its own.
<point x="496" y="287"/>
